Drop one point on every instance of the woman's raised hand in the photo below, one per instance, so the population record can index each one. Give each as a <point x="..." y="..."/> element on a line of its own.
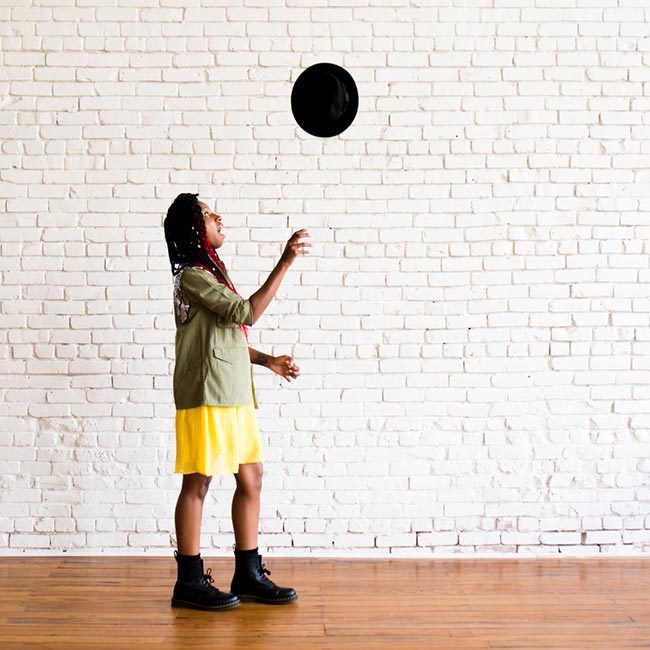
<point x="295" y="247"/>
<point x="262" y="297"/>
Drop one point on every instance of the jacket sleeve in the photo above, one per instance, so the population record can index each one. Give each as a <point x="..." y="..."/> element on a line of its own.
<point x="200" y="285"/>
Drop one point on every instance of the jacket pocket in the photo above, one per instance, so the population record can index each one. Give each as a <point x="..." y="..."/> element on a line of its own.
<point x="222" y="322"/>
<point x="223" y="354"/>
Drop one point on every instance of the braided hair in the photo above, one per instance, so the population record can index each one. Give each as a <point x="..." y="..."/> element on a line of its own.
<point x="187" y="241"/>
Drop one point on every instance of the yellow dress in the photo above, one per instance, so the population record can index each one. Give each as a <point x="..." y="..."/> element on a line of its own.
<point x="216" y="439"/>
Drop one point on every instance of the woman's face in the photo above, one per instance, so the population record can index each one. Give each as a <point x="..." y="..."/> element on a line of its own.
<point x="213" y="226"/>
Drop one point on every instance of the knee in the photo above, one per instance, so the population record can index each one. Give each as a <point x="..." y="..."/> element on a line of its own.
<point x="203" y="486"/>
<point x="250" y="483"/>
<point x="197" y="484"/>
<point x="257" y="478"/>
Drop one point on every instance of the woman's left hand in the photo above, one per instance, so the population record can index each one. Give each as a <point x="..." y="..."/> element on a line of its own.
<point x="285" y="367"/>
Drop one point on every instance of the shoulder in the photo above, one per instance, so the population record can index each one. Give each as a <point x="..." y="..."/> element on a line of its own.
<point x="196" y="270"/>
<point x="195" y="274"/>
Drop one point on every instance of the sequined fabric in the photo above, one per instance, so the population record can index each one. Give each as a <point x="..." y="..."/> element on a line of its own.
<point x="181" y="305"/>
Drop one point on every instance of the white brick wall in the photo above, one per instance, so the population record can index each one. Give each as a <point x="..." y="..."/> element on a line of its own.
<point x="472" y="327"/>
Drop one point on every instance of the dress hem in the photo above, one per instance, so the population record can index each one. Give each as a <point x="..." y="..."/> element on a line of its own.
<point x="225" y="473"/>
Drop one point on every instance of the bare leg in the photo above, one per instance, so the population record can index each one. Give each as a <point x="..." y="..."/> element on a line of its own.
<point x="246" y="505"/>
<point x="189" y="511"/>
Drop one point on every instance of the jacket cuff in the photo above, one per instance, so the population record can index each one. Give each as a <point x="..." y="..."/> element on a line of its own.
<point x="247" y="312"/>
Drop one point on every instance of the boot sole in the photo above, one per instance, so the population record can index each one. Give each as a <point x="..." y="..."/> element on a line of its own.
<point x="186" y="603"/>
<point x="267" y="601"/>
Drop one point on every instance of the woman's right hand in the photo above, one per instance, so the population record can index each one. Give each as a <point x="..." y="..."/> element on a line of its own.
<point x="295" y="247"/>
<point x="262" y="297"/>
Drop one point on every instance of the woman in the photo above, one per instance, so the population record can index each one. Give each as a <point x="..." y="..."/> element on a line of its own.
<point x="214" y="395"/>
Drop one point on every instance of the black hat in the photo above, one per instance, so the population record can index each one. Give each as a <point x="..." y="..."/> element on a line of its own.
<point x="324" y="100"/>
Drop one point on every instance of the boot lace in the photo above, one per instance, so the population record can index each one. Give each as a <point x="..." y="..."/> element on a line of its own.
<point x="207" y="577"/>
<point x="263" y="572"/>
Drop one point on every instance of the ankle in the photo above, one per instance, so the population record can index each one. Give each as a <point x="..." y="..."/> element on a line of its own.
<point x="189" y="566"/>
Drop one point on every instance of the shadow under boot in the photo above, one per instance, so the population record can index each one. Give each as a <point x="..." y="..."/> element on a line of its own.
<point x="250" y="583"/>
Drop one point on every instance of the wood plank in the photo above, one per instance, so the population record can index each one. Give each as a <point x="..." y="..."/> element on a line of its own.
<point x="361" y="604"/>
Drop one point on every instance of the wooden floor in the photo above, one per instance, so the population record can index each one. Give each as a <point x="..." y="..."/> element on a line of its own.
<point x="124" y="602"/>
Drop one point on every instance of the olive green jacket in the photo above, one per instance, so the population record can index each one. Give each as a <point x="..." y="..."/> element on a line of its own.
<point x="212" y="361"/>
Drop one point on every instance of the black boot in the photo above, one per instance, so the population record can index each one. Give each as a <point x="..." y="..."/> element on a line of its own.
<point x="193" y="588"/>
<point x="249" y="581"/>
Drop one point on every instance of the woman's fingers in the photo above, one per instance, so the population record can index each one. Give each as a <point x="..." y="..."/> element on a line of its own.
<point x="290" y="369"/>
<point x="295" y="247"/>
<point x="301" y="248"/>
<point x="299" y="234"/>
